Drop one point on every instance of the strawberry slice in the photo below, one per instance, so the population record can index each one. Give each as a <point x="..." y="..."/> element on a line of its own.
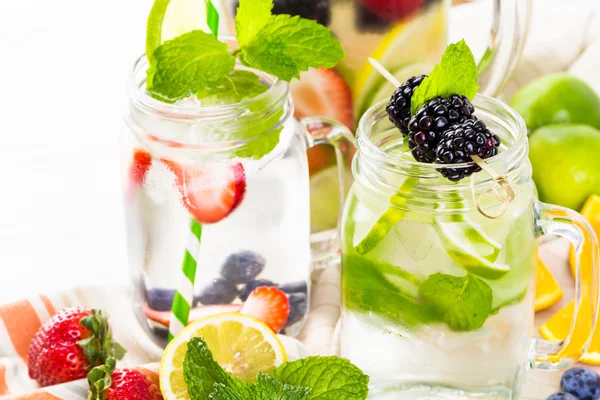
<point x="210" y="194"/>
<point x="142" y="161"/>
<point x="269" y="305"/>
<point x="196" y="313"/>
<point x="393" y="10"/>
<point x="323" y="92"/>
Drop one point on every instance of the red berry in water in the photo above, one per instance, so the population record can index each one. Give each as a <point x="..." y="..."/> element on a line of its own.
<point x="393" y="10"/>
<point x="124" y="383"/>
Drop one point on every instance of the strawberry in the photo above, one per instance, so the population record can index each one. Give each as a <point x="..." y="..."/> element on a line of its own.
<point x="142" y="161"/>
<point x="323" y="92"/>
<point x="393" y="10"/>
<point x="269" y="305"/>
<point x="210" y="194"/>
<point x="108" y="383"/>
<point x="69" y="344"/>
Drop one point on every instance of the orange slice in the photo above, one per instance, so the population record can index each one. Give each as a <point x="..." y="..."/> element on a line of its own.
<point x="557" y="329"/>
<point x="591" y="212"/>
<point x="547" y="290"/>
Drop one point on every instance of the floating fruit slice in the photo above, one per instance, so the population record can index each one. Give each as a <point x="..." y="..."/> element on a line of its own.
<point x="418" y="40"/>
<point x="591" y="212"/>
<point x="470" y="246"/>
<point x="269" y="305"/>
<point x="322" y="92"/>
<point x="242" y="345"/>
<point x="547" y="290"/>
<point x="196" y="313"/>
<point x="557" y="328"/>
<point x="210" y="194"/>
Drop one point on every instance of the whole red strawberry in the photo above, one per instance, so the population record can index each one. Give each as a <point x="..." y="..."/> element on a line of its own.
<point x="108" y="383"/>
<point x="69" y="345"/>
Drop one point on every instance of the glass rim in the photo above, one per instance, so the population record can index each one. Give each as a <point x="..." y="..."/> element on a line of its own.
<point x="513" y="121"/>
<point x="278" y="89"/>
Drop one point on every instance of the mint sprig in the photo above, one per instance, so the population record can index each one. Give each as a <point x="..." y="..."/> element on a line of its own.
<point x="313" y="378"/>
<point x="455" y="74"/>
<point x="463" y="303"/>
<point x="277" y="44"/>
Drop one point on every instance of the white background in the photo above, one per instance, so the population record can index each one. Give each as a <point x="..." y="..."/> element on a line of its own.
<point x="63" y="69"/>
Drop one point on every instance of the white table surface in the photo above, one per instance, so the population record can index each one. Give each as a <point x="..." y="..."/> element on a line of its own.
<point x="63" y="68"/>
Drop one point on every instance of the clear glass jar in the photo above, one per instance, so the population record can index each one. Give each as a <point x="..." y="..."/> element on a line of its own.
<point x="237" y="208"/>
<point x="437" y="297"/>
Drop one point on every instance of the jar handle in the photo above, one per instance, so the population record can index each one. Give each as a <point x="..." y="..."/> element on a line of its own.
<point x="555" y="220"/>
<point x="322" y="130"/>
<point x="507" y="40"/>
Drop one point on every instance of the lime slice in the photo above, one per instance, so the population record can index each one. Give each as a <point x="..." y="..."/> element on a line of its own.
<point x="470" y="246"/>
<point x="171" y="18"/>
<point x="382" y="89"/>
<point x="420" y="40"/>
<point x="241" y="344"/>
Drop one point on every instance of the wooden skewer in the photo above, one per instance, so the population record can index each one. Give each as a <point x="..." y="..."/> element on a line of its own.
<point x="384" y="72"/>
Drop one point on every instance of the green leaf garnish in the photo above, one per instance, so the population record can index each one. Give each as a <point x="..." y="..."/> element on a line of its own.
<point x="463" y="303"/>
<point x="288" y="45"/>
<point x="455" y="74"/>
<point x="186" y="65"/>
<point x="251" y="17"/>
<point x="195" y="62"/>
<point x="234" y="88"/>
<point x="330" y="378"/>
<point x="321" y="378"/>
<point x="201" y="372"/>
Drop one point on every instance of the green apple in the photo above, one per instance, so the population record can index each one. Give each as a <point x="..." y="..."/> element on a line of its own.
<point x="557" y="99"/>
<point x="566" y="163"/>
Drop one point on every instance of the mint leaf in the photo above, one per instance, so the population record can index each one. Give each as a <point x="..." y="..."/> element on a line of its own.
<point x="235" y="87"/>
<point x="201" y="372"/>
<point x="287" y="45"/>
<point x="269" y="388"/>
<point x="251" y="17"/>
<point x="186" y="64"/>
<point x="239" y="391"/>
<point x="463" y="303"/>
<point x="455" y="74"/>
<point x="331" y="378"/>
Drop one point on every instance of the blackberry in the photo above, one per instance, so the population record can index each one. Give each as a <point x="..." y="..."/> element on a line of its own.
<point x="425" y="128"/>
<point x="242" y="267"/>
<point x="218" y="291"/>
<point x="398" y="108"/>
<point x="460" y="142"/>
<point x="367" y="21"/>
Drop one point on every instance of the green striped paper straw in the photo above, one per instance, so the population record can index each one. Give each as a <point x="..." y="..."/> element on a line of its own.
<point x="184" y="296"/>
<point x="212" y="17"/>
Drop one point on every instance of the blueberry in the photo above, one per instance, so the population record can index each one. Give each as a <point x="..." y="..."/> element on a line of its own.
<point x="242" y="267"/>
<point x="298" y="308"/>
<point x="562" y="396"/>
<point x="582" y="383"/>
<point x="294" y="287"/>
<point x="160" y="299"/>
<point x="219" y="291"/>
<point x="250" y="286"/>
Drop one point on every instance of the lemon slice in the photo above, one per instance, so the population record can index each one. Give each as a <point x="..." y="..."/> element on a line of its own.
<point x="241" y="344"/>
<point x="420" y="40"/>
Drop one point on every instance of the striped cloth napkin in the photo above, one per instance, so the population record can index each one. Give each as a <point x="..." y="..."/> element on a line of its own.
<point x="20" y="321"/>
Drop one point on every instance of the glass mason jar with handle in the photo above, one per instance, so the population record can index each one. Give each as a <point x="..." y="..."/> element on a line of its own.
<point x="223" y="187"/>
<point x="437" y="296"/>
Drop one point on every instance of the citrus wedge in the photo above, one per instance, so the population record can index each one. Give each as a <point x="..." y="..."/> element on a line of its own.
<point x="419" y="40"/>
<point x="591" y="212"/>
<point x="557" y="328"/>
<point x="241" y="344"/>
<point x="547" y="290"/>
